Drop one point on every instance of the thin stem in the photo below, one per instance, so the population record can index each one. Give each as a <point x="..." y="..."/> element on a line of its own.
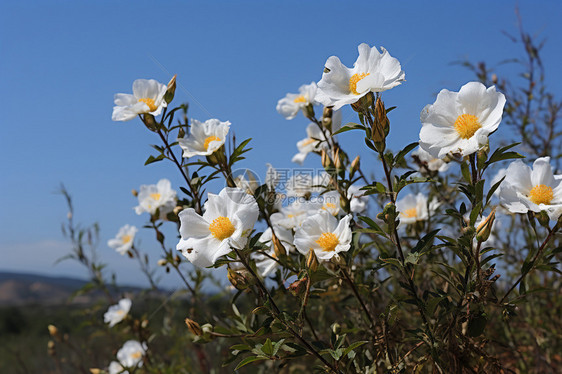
<point x="194" y="192"/>
<point x="535" y="258"/>
<point x="173" y="263"/>
<point x="358" y="296"/>
<point x="277" y="313"/>
<point x="412" y="286"/>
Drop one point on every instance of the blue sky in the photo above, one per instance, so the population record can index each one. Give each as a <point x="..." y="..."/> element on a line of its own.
<point x="62" y="62"/>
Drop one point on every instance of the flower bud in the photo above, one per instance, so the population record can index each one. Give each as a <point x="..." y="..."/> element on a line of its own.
<point x="193" y="327"/>
<point x="337" y="160"/>
<point x="135" y="192"/>
<point x="327" y="119"/>
<point x="150" y="122"/>
<point x="53" y="331"/>
<point x="380" y="127"/>
<point x="312" y="261"/>
<point x="95" y="371"/>
<point x="171" y="91"/>
<point x="485" y="227"/>
<point x="298" y="286"/>
<point x="309" y="111"/>
<point x="162" y="262"/>
<point x="237" y="279"/>
<point x="326" y="161"/>
<point x="355" y="165"/>
<point x="278" y="247"/>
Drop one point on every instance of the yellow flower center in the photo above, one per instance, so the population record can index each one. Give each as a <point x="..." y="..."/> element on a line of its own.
<point x="466" y="125"/>
<point x="328" y="242"/>
<point x="300" y="99"/>
<point x="410" y="213"/>
<point x="149" y="102"/>
<point x="329" y="206"/>
<point x="221" y="228"/>
<point x="209" y="140"/>
<point x="353" y="82"/>
<point x="126" y="238"/>
<point x="136" y="355"/>
<point x="155" y="196"/>
<point x="541" y="194"/>
<point x="308" y="141"/>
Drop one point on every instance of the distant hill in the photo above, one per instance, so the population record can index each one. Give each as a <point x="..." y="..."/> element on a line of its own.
<point x="23" y="289"/>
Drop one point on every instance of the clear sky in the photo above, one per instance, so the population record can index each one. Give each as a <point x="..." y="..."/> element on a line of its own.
<point x="62" y="61"/>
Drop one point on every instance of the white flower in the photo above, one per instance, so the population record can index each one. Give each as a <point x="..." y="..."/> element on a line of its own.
<point x="330" y="202"/>
<point x="147" y="97"/>
<point x="294" y="214"/>
<point x="156" y="196"/>
<point x="414" y="208"/>
<point x="535" y="189"/>
<point x="124" y="239"/>
<point x="290" y="105"/>
<point x="303" y="184"/>
<point x="116" y="313"/>
<point x="228" y="220"/>
<point x="432" y="163"/>
<point x="316" y="139"/>
<point x="116" y="368"/>
<point x="358" y="200"/>
<point x="324" y="235"/>
<point x="271" y="177"/>
<point x="460" y="122"/>
<point x="205" y="137"/>
<point x="248" y="184"/>
<point x="372" y="72"/>
<point x="130" y="355"/>
<point x="264" y="263"/>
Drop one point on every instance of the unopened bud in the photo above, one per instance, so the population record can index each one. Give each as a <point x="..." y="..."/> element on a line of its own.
<point x="326" y="161"/>
<point x="355" y="165"/>
<point x="309" y="111"/>
<point x="193" y="327"/>
<point x="178" y="209"/>
<point x="327" y="119"/>
<point x="380" y="127"/>
<point x="278" y="247"/>
<point x="181" y="133"/>
<point x="53" y="331"/>
<point x="336" y="328"/>
<point x="51" y="348"/>
<point x="312" y="261"/>
<point x="95" y="371"/>
<point x="144" y="323"/>
<point x="171" y="91"/>
<point x="237" y="279"/>
<point x="150" y="122"/>
<point x="337" y="160"/>
<point x="484" y="229"/>
<point x="135" y="192"/>
<point x="298" y="286"/>
<point x="494" y="79"/>
<point x="162" y="262"/>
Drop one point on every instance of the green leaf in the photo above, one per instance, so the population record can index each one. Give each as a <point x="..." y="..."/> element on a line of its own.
<point x="400" y="156"/>
<point x="249" y="360"/>
<point x="349" y="126"/>
<point x="493" y="189"/>
<point x="267" y="347"/>
<point x="501" y="154"/>
<point x="425" y="242"/>
<point x="152" y="159"/>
